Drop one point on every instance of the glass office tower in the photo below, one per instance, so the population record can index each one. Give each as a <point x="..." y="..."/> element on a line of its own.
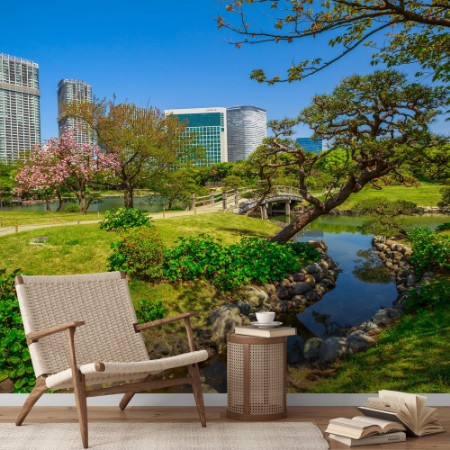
<point x="20" y="120"/>
<point x="207" y="127"/>
<point x="70" y="91"/>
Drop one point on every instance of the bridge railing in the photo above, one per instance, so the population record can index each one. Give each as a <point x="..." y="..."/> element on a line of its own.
<point x="234" y="198"/>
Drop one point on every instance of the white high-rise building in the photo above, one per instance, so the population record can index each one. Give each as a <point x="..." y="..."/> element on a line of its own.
<point x="20" y="118"/>
<point x="247" y="127"/>
<point x="74" y="91"/>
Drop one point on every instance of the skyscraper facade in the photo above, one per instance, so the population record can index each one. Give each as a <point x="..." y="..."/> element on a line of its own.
<point x="207" y="127"/>
<point x="74" y="91"/>
<point x="247" y="127"/>
<point x="20" y="120"/>
<point x="310" y="145"/>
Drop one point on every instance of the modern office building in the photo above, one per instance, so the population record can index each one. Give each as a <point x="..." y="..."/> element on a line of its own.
<point x="207" y="127"/>
<point x="70" y="91"/>
<point x="247" y="127"/>
<point x="310" y="145"/>
<point x="20" y="119"/>
<point x="227" y="134"/>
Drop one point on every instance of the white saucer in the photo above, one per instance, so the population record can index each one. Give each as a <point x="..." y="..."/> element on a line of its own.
<point x="267" y="325"/>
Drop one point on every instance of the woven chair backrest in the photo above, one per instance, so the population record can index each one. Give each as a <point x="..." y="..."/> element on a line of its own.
<point x="101" y="300"/>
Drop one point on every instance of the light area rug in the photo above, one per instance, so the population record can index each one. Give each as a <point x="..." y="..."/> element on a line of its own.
<point x="165" y="436"/>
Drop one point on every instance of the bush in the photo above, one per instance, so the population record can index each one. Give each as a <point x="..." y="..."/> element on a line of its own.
<point x="443" y="226"/>
<point x="15" y="362"/>
<point x="444" y="202"/>
<point x="72" y="208"/>
<point x="429" y="295"/>
<point x="231" y="267"/>
<point x="149" y="311"/>
<point x="124" y="218"/>
<point x="431" y="251"/>
<point x="139" y="254"/>
<point x="305" y="251"/>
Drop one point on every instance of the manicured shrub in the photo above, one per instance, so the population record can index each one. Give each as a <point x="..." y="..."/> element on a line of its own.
<point x="139" y="253"/>
<point x="304" y="251"/>
<point x="431" y="294"/>
<point x="443" y="226"/>
<point x="252" y="260"/>
<point x="15" y="362"/>
<point x="124" y="218"/>
<point x="149" y="310"/>
<point x="72" y="208"/>
<point x="431" y="251"/>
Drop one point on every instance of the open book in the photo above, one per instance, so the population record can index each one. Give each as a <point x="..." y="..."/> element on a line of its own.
<point x="362" y="426"/>
<point x="409" y="409"/>
<point x="388" y="438"/>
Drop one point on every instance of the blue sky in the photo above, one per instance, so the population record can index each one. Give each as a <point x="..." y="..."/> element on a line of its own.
<point x="166" y="53"/>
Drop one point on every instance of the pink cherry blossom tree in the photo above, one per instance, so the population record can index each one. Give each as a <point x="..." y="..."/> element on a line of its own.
<point x="41" y="173"/>
<point x="64" y="163"/>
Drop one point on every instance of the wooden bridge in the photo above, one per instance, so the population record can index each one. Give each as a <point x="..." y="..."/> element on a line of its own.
<point x="239" y="201"/>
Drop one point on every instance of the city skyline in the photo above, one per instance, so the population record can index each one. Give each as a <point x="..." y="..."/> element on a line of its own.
<point x="167" y="55"/>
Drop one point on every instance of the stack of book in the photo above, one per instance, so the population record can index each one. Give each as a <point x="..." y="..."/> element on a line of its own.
<point x="362" y="430"/>
<point x="253" y="330"/>
<point x="387" y="418"/>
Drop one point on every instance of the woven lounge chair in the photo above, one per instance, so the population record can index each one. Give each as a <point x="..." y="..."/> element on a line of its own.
<point x="106" y="348"/>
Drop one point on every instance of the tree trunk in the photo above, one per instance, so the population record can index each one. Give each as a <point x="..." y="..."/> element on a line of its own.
<point x="47" y="204"/>
<point x="128" y="198"/>
<point x="58" y="196"/>
<point x="307" y="216"/>
<point x="83" y="204"/>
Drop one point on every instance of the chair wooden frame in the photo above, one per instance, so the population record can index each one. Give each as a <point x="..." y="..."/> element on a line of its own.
<point x="128" y="389"/>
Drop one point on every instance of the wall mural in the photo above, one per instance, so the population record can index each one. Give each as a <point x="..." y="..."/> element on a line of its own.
<point x="370" y="312"/>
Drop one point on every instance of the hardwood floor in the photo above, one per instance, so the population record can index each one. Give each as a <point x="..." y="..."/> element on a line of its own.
<point x="316" y="414"/>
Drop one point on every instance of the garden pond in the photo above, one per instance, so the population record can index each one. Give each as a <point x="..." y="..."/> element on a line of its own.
<point x="363" y="286"/>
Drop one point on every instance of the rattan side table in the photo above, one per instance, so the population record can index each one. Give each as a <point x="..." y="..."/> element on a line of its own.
<point x="256" y="377"/>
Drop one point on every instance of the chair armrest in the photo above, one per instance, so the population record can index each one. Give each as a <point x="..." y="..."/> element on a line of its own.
<point x="154" y="323"/>
<point x="34" y="336"/>
<point x="185" y="317"/>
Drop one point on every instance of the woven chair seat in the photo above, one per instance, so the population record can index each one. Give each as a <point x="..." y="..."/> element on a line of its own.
<point x="120" y="371"/>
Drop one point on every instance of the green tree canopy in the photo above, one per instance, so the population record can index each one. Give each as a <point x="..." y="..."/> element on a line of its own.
<point x="379" y="120"/>
<point x="145" y="141"/>
<point x="398" y="31"/>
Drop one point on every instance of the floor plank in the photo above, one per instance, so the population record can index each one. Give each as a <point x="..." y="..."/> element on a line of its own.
<point x="317" y="414"/>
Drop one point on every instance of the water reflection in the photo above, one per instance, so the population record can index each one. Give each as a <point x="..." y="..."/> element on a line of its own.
<point x="371" y="269"/>
<point x="143" y="203"/>
<point x="355" y="298"/>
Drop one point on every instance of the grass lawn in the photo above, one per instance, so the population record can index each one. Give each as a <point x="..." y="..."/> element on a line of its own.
<point x="84" y="248"/>
<point x="422" y="195"/>
<point x="12" y="218"/>
<point x="411" y="355"/>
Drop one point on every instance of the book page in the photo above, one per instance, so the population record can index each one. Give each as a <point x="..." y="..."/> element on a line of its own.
<point x="412" y="405"/>
<point x="342" y="421"/>
<point x="383" y="424"/>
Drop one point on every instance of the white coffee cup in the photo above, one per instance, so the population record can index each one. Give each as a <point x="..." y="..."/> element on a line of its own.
<point x="265" y="317"/>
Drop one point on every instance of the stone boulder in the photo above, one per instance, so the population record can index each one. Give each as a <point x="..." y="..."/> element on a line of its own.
<point x="358" y="340"/>
<point x="312" y="348"/>
<point x="333" y="348"/>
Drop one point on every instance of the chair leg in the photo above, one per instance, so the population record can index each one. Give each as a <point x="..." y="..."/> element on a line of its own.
<point x="31" y="400"/>
<point x="129" y="395"/>
<point x="80" y="398"/>
<point x="125" y="400"/>
<point x="194" y="372"/>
